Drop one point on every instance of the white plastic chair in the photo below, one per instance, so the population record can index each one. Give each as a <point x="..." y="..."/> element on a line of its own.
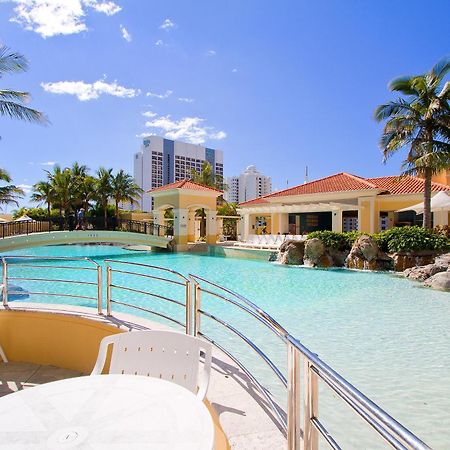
<point x="167" y="355"/>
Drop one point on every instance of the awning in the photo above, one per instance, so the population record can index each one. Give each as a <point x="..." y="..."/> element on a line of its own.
<point x="24" y="218"/>
<point x="440" y="202"/>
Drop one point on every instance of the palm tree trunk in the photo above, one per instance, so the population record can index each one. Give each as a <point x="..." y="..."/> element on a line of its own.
<point x="105" y="215"/>
<point x="427" y="199"/>
<point x="117" y="209"/>
<point x="49" y="209"/>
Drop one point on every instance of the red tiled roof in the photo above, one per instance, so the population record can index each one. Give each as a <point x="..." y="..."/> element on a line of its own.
<point x="255" y="201"/>
<point x="334" y="183"/>
<point x="406" y="184"/>
<point x="185" y="184"/>
<point x="341" y="182"/>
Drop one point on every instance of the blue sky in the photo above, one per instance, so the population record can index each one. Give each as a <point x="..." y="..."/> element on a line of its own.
<point x="277" y="84"/>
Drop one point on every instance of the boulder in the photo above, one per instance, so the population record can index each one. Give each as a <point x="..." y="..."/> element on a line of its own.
<point x="314" y="251"/>
<point x="291" y="252"/>
<point x="366" y="255"/>
<point x="440" y="281"/>
<point x="403" y="261"/>
<point x="421" y="273"/>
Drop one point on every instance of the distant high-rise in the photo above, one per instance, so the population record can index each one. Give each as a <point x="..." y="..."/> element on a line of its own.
<point x="248" y="185"/>
<point x="162" y="161"/>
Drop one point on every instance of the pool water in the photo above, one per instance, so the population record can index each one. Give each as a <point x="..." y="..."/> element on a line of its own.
<point x="388" y="336"/>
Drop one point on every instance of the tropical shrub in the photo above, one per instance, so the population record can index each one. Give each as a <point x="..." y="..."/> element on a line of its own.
<point x="335" y="240"/>
<point x="407" y="239"/>
<point x="35" y="213"/>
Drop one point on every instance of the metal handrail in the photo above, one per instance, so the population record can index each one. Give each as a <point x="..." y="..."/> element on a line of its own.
<point x="302" y="362"/>
<point x="395" y="434"/>
<point x="184" y="282"/>
<point x="6" y="291"/>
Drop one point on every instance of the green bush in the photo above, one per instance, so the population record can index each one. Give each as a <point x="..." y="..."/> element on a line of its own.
<point x="407" y="239"/>
<point x="337" y="241"/>
<point x="35" y="213"/>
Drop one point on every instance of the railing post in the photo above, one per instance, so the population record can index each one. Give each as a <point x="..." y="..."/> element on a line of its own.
<point x="99" y="291"/>
<point x="293" y="400"/>
<point x="108" y="290"/>
<point x="188" y="308"/>
<point x="311" y="410"/>
<point x="5" y="283"/>
<point x="196" y="309"/>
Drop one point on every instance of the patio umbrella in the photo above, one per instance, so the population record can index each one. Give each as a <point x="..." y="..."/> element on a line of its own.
<point x="24" y="218"/>
<point x="440" y="202"/>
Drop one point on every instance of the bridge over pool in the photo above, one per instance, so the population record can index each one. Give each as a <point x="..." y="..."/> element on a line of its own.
<point x="14" y="236"/>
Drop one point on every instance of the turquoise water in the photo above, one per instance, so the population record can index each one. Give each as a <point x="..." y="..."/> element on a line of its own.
<point x="386" y="335"/>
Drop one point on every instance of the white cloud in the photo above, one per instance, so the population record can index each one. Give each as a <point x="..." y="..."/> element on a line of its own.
<point x="211" y="53"/>
<point x="89" y="91"/>
<point x="186" y="99"/>
<point x="54" y="17"/>
<point x="190" y="129"/>
<point x="166" y="94"/>
<point x="125" y="34"/>
<point x="48" y="163"/>
<point x="160" y="43"/>
<point x="25" y="187"/>
<point x="167" y="25"/>
<point x="149" y="114"/>
<point x="234" y="70"/>
<point x="107" y="7"/>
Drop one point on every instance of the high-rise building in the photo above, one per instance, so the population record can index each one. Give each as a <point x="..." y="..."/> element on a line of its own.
<point x="248" y="185"/>
<point x="162" y="161"/>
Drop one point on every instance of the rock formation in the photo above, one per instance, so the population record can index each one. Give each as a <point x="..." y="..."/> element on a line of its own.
<point x="366" y="255"/>
<point x="291" y="252"/>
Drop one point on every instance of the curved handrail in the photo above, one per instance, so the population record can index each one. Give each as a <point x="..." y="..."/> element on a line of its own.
<point x="394" y="433"/>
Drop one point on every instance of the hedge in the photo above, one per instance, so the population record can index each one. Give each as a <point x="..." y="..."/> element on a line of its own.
<point x="402" y="239"/>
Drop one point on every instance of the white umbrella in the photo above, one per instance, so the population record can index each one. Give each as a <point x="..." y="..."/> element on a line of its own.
<point x="440" y="202"/>
<point x="24" y="218"/>
<point x="2" y="220"/>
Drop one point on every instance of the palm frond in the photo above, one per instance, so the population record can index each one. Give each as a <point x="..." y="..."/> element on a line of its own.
<point x="7" y="94"/>
<point x="440" y="69"/>
<point x="5" y="176"/>
<point x="11" y="61"/>
<point x="16" y="111"/>
<point x="403" y="85"/>
<point x="394" y="108"/>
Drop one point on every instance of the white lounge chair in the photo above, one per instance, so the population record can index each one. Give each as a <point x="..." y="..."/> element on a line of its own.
<point x="161" y="354"/>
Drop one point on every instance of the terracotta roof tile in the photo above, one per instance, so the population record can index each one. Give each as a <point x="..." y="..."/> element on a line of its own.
<point x="334" y="183"/>
<point x="341" y="182"/>
<point x="406" y="184"/>
<point x="255" y="201"/>
<point x="185" y="184"/>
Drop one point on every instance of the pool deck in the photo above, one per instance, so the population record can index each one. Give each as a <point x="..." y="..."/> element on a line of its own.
<point x="242" y="411"/>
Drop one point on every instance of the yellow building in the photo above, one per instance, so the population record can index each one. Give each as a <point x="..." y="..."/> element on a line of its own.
<point x="340" y="202"/>
<point x="184" y="198"/>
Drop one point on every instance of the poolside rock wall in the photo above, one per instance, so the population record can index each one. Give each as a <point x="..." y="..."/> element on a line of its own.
<point x="366" y="255"/>
<point x="404" y="261"/>
<point x="291" y="252"/>
<point x="436" y="275"/>
<point x="318" y="255"/>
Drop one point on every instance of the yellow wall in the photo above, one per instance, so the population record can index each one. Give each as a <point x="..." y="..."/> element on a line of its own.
<point x="60" y="340"/>
<point x="364" y="217"/>
<point x="442" y="177"/>
<point x="185" y="200"/>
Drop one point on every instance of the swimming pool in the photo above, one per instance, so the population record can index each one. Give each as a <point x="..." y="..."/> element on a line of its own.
<point x="386" y="335"/>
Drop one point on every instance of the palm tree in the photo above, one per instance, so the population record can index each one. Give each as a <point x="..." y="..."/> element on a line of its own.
<point x="43" y="193"/>
<point x="421" y="123"/>
<point x="9" y="193"/>
<point x="207" y="176"/>
<point x="103" y="190"/>
<point x="124" y="189"/>
<point x="12" y="102"/>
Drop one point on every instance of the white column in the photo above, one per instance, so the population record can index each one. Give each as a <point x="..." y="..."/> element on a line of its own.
<point x="336" y="221"/>
<point x="245" y="227"/>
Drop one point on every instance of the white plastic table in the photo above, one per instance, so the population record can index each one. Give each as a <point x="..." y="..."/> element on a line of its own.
<point x="105" y="412"/>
